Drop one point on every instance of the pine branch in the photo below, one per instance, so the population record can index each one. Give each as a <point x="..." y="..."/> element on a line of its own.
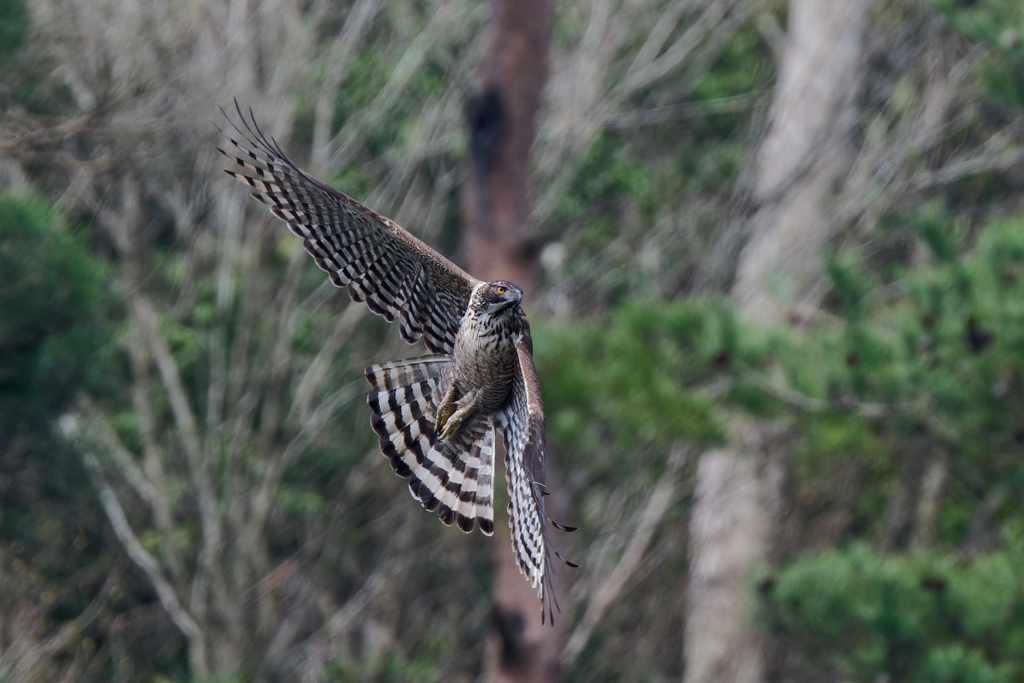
<point x="846" y="403"/>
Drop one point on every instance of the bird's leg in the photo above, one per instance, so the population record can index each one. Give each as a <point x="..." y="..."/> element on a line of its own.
<point x="466" y="405"/>
<point x="446" y="407"/>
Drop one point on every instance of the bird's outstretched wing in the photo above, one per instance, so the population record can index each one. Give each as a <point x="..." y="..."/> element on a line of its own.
<point x="398" y="276"/>
<point x="523" y="423"/>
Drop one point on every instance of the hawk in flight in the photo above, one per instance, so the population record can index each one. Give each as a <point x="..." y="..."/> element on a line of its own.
<point x="436" y="415"/>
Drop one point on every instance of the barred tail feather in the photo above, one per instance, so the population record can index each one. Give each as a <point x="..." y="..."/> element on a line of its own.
<point x="453" y="477"/>
<point x="456" y="478"/>
<point x="403" y="418"/>
<point x="401" y="373"/>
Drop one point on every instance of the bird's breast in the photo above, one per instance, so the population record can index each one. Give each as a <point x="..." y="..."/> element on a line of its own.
<point x="484" y="358"/>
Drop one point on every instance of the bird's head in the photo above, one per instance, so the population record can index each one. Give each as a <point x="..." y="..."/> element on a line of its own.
<point x="496" y="299"/>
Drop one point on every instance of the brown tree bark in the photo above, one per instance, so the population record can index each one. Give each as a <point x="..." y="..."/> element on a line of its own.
<point x="498" y="245"/>
<point x="502" y="126"/>
<point x="804" y="155"/>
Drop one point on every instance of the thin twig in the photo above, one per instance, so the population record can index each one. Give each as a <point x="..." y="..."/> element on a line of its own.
<point x="270" y="379"/>
<point x="24" y="665"/>
<point x="155" y="496"/>
<point x="647" y="117"/>
<point x="262" y="498"/>
<point x="336" y="64"/>
<point x="102" y="431"/>
<point x="350" y="136"/>
<point x="995" y="161"/>
<point x="679" y="50"/>
<point x="228" y="246"/>
<point x="611" y="588"/>
<point x="145" y="317"/>
<point x="313" y="649"/>
<point x="151" y="453"/>
<point x="70" y="426"/>
<point x="659" y="34"/>
<point x="317" y="373"/>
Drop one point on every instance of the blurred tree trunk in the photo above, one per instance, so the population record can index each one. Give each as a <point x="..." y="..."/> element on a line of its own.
<point x="804" y="155"/>
<point x="498" y="245"/>
<point x="502" y="125"/>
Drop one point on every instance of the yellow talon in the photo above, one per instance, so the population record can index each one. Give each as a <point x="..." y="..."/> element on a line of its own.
<point x="452" y="413"/>
<point x="441" y="421"/>
<point x="452" y="423"/>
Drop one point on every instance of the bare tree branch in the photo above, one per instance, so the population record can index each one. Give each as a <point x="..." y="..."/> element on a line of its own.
<point x="611" y="588"/>
<point x="311" y="654"/>
<point x="356" y="23"/>
<point x="1002" y="160"/>
<point x="270" y="378"/>
<point x="929" y="500"/>
<point x="262" y="499"/>
<point x="70" y="426"/>
<point x="155" y="496"/>
<point x="152" y="456"/>
<point x="21" y="663"/>
<point x="648" y="117"/>
<point x="145" y="317"/>
<point x="347" y="139"/>
<point x="659" y="35"/>
<point x="228" y="246"/>
<point x="659" y="67"/>
<point x="317" y="373"/>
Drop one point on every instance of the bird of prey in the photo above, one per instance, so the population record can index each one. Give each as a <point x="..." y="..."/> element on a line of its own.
<point x="436" y="415"/>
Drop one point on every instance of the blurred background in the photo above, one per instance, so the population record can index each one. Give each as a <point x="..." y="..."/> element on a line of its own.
<point x="774" y="254"/>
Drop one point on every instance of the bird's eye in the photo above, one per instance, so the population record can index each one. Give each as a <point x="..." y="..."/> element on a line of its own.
<point x="501" y="290"/>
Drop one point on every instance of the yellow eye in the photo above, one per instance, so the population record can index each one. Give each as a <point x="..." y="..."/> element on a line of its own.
<point x="501" y="290"/>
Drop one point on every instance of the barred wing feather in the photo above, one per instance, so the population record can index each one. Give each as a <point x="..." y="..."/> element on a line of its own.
<point x="523" y="421"/>
<point x="398" y="276"/>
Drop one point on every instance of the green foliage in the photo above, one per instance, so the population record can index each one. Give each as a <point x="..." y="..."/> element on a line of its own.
<point x="999" y="25"/>
<point x="940" y="352"/>
<point x="393" y="666"/>
<point x="639" y="187"/>
<point x="14" y="22"/>
<point x="915" y="618"/>
<point x="218" y="679"/>
<point x="24" y="71"/>
<point x="634" y="371"/>
<point x="744" y="66"/>
<point x="293" y="501"/>
<point x="379" y="78"/>
<point x="54" y="340"/>
<point x="52" y="301"/>
<point x="930" y="222"/>
<point x="938" y="345"/>
<point x="945" y="354"/>
<point x="607" y="172"/>
<point x="848" y="281"/>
